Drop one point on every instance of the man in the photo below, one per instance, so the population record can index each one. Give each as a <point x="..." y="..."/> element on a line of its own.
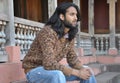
<point x="54" y="42"/>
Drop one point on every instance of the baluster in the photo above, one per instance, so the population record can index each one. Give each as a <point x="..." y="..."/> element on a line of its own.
<point x="97" y="44"/>
<point x="119" y="43"/>
<point x="29" y="37"/>
<point x="0" y="29"/>
<point x="101" y="40"/>
<point x="35" y="32"/>
<point x="106" y="44"/>
<point x="0" y="46"/>
<point x="32" y="34"/>
<point x="3" y="36"/>
<point x="21" y="37"/>
<point x="17" y="35"/>
<point x="0" y="37"/>
<point x="3" y="29"/>
<point x="25" y="39"/>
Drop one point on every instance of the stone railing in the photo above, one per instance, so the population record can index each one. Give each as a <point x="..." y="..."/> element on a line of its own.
<point x="101" y="43"/>
<point x="85" y="43"/>
<point x="25" y="32"/>
<point x="118" y="42"/>
<point x="3" y="23"/>
<point x="2" y="40"/>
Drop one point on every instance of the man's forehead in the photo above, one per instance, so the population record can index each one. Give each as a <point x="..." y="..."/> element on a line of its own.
<point x="71" y="9"/>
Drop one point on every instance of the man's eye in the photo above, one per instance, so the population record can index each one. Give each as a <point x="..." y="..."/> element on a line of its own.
<point x="72" y="14"/>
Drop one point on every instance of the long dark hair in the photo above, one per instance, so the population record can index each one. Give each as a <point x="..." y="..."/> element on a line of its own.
<point x="56" y="22"/>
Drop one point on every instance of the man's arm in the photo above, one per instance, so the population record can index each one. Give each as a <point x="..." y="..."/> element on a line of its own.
<point x="72" y="58"/>
<point x="75" y="63"/>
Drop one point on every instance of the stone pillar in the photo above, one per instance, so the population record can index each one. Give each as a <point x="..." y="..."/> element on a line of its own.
<point x="80" y="51"/>
<point x="52" y="4"/>
<point x="77" y="2"/>
<point x="10" y="29"/>
<point x="13" y="53"/>
<point x="91" y="23"/>
<point x="112" y="49"/>
<point x="91" y="17"/>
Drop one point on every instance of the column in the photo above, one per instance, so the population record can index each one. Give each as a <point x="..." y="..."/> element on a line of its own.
<point x="112" y="49"/>
<point x="52" y="4"/>
<point x="79" y="50"/>
<point x="91" y="17"/>
<point x="10" y="29"/>
<point x="91" y="24"/>
<point x="77" y="2"/>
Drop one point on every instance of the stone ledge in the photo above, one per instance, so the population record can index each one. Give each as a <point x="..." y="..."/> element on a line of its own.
<point x="107" y="77"/>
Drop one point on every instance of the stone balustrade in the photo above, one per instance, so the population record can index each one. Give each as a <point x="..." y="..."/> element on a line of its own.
<point x="86" y="43"/>
<point x="101" y="43"/>
<point x="26" y="30"/>
<point x="2" y="40"/>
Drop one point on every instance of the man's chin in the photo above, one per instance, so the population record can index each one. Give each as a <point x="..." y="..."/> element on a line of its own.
<point x="76" y="25"/>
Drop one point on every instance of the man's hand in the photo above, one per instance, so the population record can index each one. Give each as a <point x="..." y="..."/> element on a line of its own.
<point x="84" y="73"/>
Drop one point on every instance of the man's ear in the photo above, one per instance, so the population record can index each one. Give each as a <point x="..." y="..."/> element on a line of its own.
<point x="61" y="16"/>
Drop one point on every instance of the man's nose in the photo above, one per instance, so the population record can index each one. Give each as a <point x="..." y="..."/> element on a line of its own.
<point x="75" y="17"/>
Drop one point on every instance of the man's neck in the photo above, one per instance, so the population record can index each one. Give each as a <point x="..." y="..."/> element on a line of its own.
<point x="66" y="30"/>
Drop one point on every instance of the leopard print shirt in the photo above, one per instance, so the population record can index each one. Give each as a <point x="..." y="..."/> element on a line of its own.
<point x="47" y="51"/>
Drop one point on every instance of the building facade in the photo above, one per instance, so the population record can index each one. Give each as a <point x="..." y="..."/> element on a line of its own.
<point x="99" y="28"/>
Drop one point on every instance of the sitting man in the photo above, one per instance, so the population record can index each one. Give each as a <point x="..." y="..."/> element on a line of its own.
<point x="53" y="43"/>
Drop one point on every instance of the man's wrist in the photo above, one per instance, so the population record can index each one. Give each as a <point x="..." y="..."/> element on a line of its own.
<point x="75" y="72"/>
<point x="80" y="67"/>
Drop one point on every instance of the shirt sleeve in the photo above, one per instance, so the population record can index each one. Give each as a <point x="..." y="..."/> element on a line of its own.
<point x="49" y="62"/>
<point x="72" y="58"/>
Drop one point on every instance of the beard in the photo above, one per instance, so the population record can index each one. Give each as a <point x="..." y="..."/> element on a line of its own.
<point x="69" y="25"/>
<point x="73" y="29"/>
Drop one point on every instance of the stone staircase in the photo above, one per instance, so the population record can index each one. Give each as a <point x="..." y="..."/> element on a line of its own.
<point x="106" y="71"/>
<point x="108" y="77"/>
<point x="111" y="71"/>
<point x="96" y="67"/>
<point x="111" y="75"/>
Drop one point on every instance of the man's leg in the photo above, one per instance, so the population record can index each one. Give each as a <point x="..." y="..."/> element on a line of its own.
<point x="92" y="79"/>
<point x="73" y="78"/>
<point x="40" y="75"/>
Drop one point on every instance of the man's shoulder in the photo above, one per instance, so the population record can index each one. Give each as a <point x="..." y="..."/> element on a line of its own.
<point x="47" y="30"/>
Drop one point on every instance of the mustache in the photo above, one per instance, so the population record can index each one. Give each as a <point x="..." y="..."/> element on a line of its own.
<point x="70" y="26"/>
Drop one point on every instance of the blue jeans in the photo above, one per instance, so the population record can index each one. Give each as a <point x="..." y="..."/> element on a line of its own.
<point x="40" y="75"/>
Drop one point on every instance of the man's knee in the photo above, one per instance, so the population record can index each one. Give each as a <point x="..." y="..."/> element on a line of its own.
<point x="58" y="73"/>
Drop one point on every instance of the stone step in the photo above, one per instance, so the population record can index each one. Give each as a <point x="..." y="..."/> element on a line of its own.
<point x="113" y="67"/>
<point x="20" y="81"/>
<point x="98" y="68"/>
<point x="107" y="77"/>
<point x="73" y="82"/>
<point x="24" y="81"/>
<point x="107" y="59"/>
